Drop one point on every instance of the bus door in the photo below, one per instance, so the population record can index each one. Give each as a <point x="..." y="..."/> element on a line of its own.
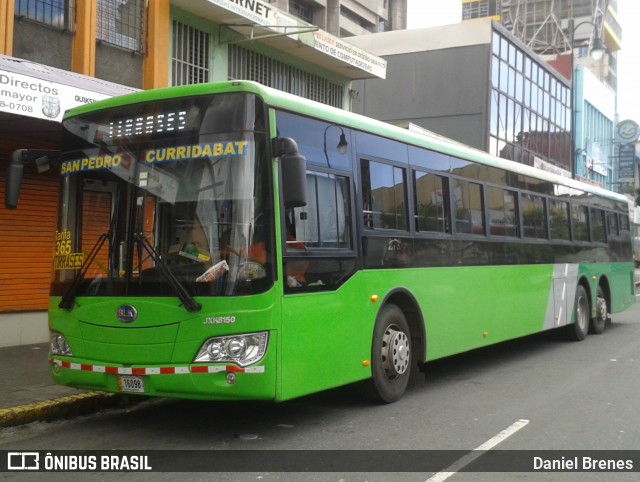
<point x="318" y="258"/>
<point x="98" y="201"/>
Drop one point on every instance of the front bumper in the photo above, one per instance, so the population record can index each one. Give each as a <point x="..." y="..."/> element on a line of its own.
<point x="191" y="381"/>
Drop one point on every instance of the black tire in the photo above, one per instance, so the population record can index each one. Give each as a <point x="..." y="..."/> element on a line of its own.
<point x="577" y="331"/>
<point x="390" y="357"/>
<point x="599" y="322"/>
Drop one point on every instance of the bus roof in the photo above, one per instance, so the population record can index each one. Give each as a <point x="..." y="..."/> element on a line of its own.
<point x="286" y="101"/>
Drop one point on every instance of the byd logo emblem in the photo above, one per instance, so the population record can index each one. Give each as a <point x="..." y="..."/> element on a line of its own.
<point x="126" y="314"/>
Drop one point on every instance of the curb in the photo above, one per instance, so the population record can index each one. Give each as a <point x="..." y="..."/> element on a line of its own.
<point x="59" y="408"/>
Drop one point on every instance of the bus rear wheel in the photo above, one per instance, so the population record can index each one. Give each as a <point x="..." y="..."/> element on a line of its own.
<point x="390" y="357"/>
<point x="577" y="331"/>
<point x="599" y="322"/>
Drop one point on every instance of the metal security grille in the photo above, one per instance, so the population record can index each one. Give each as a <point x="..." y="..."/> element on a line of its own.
<point x="190" y="55"/>
<point x="121" y="23"/>
<point x="245" y="64"/>
<point x="55" y="13"/>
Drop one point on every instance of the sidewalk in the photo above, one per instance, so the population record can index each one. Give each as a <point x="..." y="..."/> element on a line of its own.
<point x="28" y="394"/>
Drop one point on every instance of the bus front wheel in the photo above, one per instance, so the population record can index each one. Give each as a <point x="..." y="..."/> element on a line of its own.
<point x="577" y="331"/>
<point x="390" y="356"/>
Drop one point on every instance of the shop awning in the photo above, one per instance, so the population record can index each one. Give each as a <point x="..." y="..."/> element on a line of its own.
<point x="33" y="98"/>
<point x="259" y="21"/>
<point x="33" y="90"/>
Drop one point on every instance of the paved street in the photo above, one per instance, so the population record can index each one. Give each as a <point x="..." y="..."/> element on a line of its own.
<point x="574" y="396"/>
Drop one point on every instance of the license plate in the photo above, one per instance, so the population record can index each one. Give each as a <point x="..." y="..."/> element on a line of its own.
<point x="130" y="383"/>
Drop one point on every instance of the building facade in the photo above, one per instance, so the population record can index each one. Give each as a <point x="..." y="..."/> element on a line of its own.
<point x="474" y="83"/>
<point x="558" y="26"/>
<point x="347" y="18"/>
<point x="564" y="32"/>
<point x="55" y="54"/>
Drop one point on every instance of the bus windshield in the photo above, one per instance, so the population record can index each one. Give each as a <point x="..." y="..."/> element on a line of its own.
<point x="165" y="199"/>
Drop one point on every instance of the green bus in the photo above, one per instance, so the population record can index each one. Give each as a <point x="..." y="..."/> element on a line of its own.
<point x="230" y="241"/>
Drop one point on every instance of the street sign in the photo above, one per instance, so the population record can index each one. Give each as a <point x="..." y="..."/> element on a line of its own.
<point x="627" y="132"/>
<point x="626" y="162"/>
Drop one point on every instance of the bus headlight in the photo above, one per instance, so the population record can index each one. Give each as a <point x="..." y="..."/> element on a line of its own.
<point x="242" y="350"/>
<point x="58" y="345"/>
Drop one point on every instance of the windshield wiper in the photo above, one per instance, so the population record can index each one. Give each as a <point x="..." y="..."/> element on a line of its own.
<point x="188" y="302"/>
<point x="66" y="303"/>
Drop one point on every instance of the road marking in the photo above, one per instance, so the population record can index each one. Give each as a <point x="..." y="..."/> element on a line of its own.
<point x="477" y="452"/>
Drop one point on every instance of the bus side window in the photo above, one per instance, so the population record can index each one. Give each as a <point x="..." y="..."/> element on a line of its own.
<point x="324" y="222"/>
<point x="384" y="196"/>
<point x="598" y="226"/>
<point x="612" y="224"/>
<point x="431" y="203"/>
<point x="503" y="212"/>
<point x="580" y="222"/>
<point x="468" y="207"/>
<point x="559" y="219"/>
<point x="534" y="218"/>
<point x="314" y="233"/>
<point x="624" y="223"/>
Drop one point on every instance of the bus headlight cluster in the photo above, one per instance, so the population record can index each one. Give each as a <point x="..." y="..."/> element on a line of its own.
<point x="242" y="350"/>
<point x="58" y="345"/>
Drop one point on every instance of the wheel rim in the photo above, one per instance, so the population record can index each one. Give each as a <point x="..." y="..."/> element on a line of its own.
<point x="602" y="308"/>
<point x="582" y="313"/>
<point x="396" y="354"/>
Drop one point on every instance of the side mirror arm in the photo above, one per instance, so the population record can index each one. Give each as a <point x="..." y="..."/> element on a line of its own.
<point x="15" y="171"/>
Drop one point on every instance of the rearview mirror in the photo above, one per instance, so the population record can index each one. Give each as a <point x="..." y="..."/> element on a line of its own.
<point x="294" y="172"/>
<point x="19" y="159"/>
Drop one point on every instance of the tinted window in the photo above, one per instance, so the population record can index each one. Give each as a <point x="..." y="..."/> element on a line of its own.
<point x="598" y="226"/>
<point x="624" y="222"/>
<point x="383" y="196"/>
<point x="580" y="223"/>
<point x="324" y="221"/>
<point x="368" y="144"/>
<point x="431" y="202"/>
<point x="612" y="222"/>
<point x="534" y="219"/>
<point x="502" y="207"/>
<point x="467" y="199"/>
<point x="429" y="159"/>
<point x="559" y="219"/>
<point x="323" y="144"/>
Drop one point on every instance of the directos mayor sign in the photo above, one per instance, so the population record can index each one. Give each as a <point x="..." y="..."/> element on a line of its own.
<point x="32" y="97"/>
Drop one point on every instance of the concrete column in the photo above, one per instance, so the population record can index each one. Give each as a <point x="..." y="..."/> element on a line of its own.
<point x="155" y="69"/>
<point x="6" y="26"/>
<point x="83" y="49"/>
<point x="333" y="17"/>
<point x="398" y="14"/>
